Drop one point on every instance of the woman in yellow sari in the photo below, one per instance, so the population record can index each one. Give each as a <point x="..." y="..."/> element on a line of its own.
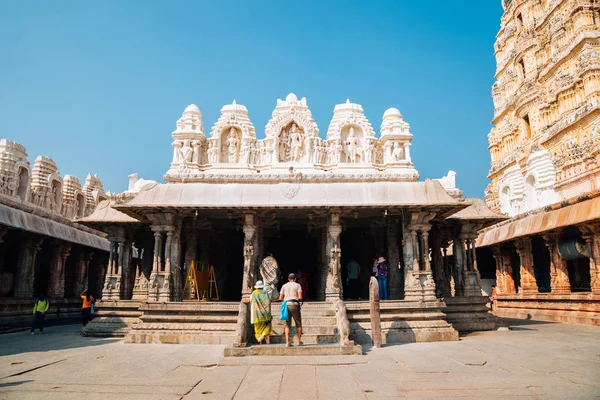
<point x="260" y="312"/>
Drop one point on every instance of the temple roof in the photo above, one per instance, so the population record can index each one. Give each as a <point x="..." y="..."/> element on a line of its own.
<point x="478" y="211"/>
<point x="106" y="213"/>
<point x="208" y="195"/>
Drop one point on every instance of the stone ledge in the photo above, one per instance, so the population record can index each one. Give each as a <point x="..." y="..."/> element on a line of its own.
<point x="282" y="350"/>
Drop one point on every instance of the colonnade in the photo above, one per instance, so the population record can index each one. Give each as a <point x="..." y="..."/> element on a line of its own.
<point x="559" y="274"/>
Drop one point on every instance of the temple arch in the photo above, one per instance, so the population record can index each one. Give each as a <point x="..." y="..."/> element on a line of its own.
<point x="80" y="204"/>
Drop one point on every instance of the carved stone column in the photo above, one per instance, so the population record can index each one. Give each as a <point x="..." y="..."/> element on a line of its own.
<point x="591" y="234"/>
<point x="442" y="283"/>
<point x="24" y="278"/>
<point x="249" y="231"/>
<point x="471" y="279"/>
<point x="333" y="286"/>
<point x="82" y="274"/>
<point x="120" y="258"/>
<point x="459" y="265"/>
<point x="156" y="275"/>
<point x="395" y="274"/>
<point x="418" y="283"/>
<point x="500" y="283"/>
<point x="509" y="282"/>
<point x="559" y="276"/>
<point x="56" y="288"/>
<point x="528" y="282"/>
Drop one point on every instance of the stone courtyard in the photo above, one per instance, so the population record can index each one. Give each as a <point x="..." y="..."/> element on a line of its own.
<point x="530" y="359"/>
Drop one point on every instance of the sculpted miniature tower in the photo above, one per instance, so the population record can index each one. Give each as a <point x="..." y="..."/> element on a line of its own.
<point x="189" y="143"/>
<point x="545" y="144"/>
<point x="291" y="132"/>
<point x="351" y="135"/>
<point x="14" y="170"/>
<point x="233" y="138"/>
<point x="46" y="185"/>
<point x="73" y="205"/>
<point x="94" y="193"/>
<point x="395" y="144"/>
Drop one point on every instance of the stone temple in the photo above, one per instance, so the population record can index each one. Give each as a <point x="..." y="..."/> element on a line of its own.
<point x="316" y="203"/>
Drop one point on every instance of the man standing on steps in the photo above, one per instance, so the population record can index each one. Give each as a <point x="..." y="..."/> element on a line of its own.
<point x="291" y="292"/>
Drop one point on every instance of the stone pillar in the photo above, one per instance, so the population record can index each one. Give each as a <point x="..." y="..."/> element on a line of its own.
<point x="412" y="283"/>
<point x="56" y="288"/>
<point x="426" y="275"/>
<point x="459" y="265"/>
<point x="591" y="234"/>
<point x="248" y="277"/>
<point x="82" y="276"/>
<point x="500" y="283"/>
<point x="333" y="286"/>
<point x="418" y="283"/>
<point x="407" y="151"/>
<point x="471" y="279"/>
<point x="119" y="277"/>
<point x="176" y="264"/>
<point x="23" y="287"/>
<point x="440" y="278"/>
<point x="559" y="277"/>
<point x="395" y="274"/>
<point x="528" y="282"/>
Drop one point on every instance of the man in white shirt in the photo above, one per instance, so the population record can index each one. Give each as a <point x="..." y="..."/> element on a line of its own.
<point x="291" y="292"/>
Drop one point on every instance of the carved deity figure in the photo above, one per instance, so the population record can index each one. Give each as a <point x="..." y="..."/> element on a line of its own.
<point x="295" y="143"/>
<point x="283" y="145"/>
<point x="213" y="153"/>
<point x="352" y="145"/>
<point x="369" y="151"/>
<point x="232" y="145"/>
<point x="186" y="153"/>
<point x="338" y="151"/>
<point x="246" y="153"/>
<point x="397" y="152"/>
<point x="310" y="148"/>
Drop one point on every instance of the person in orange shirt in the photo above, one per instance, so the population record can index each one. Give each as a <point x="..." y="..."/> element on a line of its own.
<point x="86" y="307"/>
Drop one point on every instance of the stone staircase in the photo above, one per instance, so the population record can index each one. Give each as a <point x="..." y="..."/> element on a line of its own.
<point x="319" y="334"/>
<point x="114" y="318"/>
<point x="188" y="322"/>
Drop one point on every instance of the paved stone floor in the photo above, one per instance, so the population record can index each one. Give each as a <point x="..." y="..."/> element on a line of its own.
<point x="533" y="360"/>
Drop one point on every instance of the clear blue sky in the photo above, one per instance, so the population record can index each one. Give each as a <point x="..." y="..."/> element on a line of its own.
<point x="98" y="86"/>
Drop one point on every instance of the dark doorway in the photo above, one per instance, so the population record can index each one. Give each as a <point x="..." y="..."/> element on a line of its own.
<point x="43" y="264"/>
<point x="227" y="256"/>
<point x="541" y="263"/>
<point x="358" y="244"/>
<point x="295" y="249"/>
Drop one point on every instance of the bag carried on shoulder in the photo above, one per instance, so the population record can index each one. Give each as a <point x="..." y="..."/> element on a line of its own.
<point x="283" y="313"/>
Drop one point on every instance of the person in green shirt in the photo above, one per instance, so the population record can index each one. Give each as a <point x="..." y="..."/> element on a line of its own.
<point x="40" y="307"/>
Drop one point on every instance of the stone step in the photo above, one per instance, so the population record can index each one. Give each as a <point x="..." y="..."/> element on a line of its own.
<point x="309" y="329"/>
<point x="282" y="350"/>
<point x="179" y="337"/>
<point x="306" y="311"/>
<point x="188" y="318"/>
<point x="207" y="327"/>
<point x="306" y="321"/>
<point x="307" y="339"/>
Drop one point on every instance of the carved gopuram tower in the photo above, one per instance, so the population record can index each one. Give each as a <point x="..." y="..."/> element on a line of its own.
<point x="545" y="161"/>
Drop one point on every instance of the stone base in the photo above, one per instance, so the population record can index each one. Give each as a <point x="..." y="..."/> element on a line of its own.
<point x="469" y="313"/>
<point x="114" y="318"/>
<point x="282" y="350"/>
<point x="402" y="321"/>
<point x="188" y="322"/>
<point x="573" y="308"/>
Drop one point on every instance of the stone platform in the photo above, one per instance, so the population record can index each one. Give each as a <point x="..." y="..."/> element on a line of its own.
<point x="305" y="350"/>
<point x="402" y="321"/>
<point x="469" y="313"/>
<point x="573" y="308"/>
<point x="188" y="322"/>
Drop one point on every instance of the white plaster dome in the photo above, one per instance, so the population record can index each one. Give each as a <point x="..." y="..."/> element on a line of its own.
<point x="392" y="112"/>
<point x="290" y="98"/>
<point x="192" y="108"/>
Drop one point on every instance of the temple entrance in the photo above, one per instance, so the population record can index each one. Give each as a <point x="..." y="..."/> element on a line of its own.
<point x="226" y="255"/>
<point x="359" y="244"/>
<point x="295" y="250"/>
